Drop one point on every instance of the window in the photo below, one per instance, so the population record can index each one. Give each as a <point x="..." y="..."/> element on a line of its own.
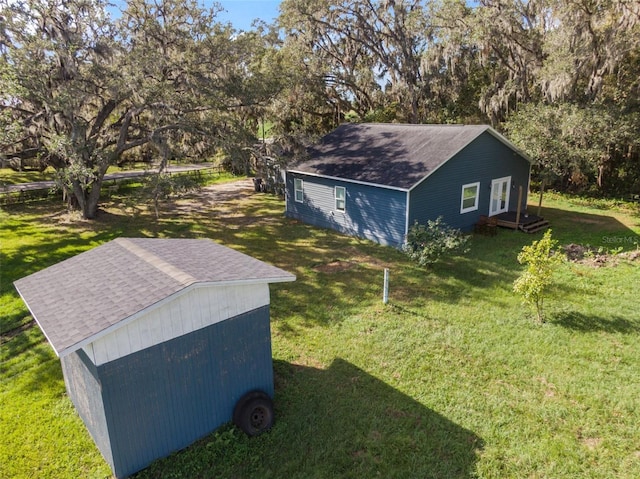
<point x="341" y="198"/>
<point x="470" y="194"/>
<point x="298" y="187"/>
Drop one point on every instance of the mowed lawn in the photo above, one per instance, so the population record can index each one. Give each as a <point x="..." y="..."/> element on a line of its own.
<point x="451" y="379"/>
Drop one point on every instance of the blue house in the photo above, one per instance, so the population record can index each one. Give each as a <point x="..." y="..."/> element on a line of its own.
<point x="374" y="181"/>
<point x="161" y="341"/>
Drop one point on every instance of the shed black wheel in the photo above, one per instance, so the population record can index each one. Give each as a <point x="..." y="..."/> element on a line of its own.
<point x="254" y="413"/>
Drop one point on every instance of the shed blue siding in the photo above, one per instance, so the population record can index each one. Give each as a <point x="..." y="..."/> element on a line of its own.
<point x="165" y="397"/>
<point x="483" y="160"/>
<point x="373" y="213"/>
<point x="84" y="390"/>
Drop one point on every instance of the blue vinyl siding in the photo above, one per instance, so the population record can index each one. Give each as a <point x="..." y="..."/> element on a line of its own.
<point x="165" y="397"/>
<point x="483" y="160"/>
<point x="370" y="212"/>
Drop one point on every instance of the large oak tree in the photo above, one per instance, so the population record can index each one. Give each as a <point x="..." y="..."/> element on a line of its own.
<point x="79" y="88"/>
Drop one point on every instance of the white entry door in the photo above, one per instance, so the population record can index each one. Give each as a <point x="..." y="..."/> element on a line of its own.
<point x="500" y="189"/>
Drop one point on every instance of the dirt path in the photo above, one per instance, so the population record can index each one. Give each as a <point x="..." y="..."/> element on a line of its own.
<point x="228" y="191"/>
<point x="221" y="199"/>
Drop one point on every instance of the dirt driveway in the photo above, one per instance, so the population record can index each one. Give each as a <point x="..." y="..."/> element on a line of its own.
<point x="223" y="200"/>
<point x="228" y="191"/>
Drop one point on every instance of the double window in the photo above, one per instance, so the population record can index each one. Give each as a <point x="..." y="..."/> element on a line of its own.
<point x="340" y="194"/>
<point x="298" y="188"/>
<point x="469" y="199"/>
<point x="341" y="198"/>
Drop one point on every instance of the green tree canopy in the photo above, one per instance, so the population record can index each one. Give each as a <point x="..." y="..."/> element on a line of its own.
<point x="79" y="88"/>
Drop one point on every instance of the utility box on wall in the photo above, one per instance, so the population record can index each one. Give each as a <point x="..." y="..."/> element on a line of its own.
<point x="159" y="340"/>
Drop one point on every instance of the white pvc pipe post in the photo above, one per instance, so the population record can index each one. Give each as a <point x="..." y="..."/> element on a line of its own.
<point x="385" y="290"/>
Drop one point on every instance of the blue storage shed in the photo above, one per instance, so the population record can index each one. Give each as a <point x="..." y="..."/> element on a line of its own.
<point x="159" y="340"/>
<point x="376" y="180"/>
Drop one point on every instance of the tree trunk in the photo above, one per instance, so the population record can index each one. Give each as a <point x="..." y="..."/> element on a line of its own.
<point x="540" y="200"/>
<point x="87" y="199"/>
<point x="600" y="180"/>
<point x="414" y="107"/>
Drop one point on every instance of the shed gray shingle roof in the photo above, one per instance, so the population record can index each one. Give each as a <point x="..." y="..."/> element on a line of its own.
<point x="396" y="155"/>
<point x="80" y="297"/>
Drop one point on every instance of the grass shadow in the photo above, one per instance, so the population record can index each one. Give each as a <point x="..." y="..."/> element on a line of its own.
<point x="592" y="324"/>
<point x="334" y="422"/>
<point x="375" y="430"/>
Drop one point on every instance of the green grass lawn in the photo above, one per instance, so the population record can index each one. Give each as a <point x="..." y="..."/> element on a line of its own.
<point x="11" y="177"/>
<point x="451" y="379"/>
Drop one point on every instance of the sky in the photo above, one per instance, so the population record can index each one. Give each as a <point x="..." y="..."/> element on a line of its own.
<point x="241" y="13"/>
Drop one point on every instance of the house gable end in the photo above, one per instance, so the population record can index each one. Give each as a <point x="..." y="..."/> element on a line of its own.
<point x="488" y="131"/>
<point x="480" y="162"/>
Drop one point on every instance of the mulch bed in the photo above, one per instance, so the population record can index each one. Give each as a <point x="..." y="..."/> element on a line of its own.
<point x="596" y="257"/>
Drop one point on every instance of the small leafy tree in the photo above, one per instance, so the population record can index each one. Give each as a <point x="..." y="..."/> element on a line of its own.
<point x="534" y="282"/>
<point x="427" y="243"/>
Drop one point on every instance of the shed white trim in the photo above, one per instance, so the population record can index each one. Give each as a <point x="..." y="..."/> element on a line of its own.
<point x="170" y="299"/>
<point x="190" y="311"/>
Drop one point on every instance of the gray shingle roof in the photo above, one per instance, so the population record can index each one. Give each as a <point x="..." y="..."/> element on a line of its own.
<point x="80" y="297"/>
<point x="396" y="155"/>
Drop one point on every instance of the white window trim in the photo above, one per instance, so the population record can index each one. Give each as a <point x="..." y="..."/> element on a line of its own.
<point x="344" y="198"/>
<point x="475" y="204"/>
<point x="298" y="190"/>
